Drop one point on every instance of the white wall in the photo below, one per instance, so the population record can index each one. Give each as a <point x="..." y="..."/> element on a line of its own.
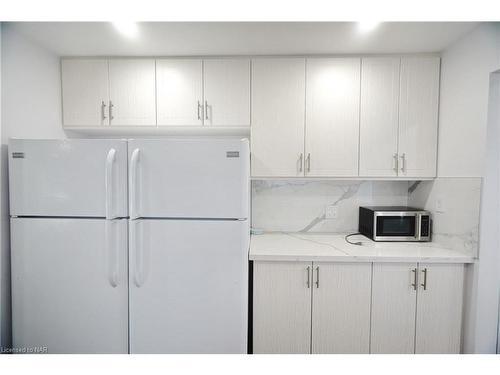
<point x="483" y="278"/>
<point x="465" y="69"/>
<point x="486" y="274"/>
<point x="464" y="152"/>
<point x="31" y="76"/>
<point x="31" y="107"/>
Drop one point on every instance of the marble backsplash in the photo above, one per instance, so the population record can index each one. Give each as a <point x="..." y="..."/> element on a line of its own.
<point x="455" y="206"/>
<point x="300" y="206"/>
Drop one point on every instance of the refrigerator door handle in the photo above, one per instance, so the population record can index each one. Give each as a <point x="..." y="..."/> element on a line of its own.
<point x="134" y="163"/>
<point x="110" y="160"/>
<point x="138" y="256"/>
<point x="112" y="252"/>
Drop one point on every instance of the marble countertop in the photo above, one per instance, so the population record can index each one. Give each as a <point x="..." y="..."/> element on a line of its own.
<point x="281" y="246"/>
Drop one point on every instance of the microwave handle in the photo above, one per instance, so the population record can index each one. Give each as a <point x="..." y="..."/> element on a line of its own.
<point x="418" y="228"/>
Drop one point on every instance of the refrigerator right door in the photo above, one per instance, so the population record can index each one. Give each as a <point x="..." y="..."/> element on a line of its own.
<point x="189" y="178"/>
<point x="188" y="286"/>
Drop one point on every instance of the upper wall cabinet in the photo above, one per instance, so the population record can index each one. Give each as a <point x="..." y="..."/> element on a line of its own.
<point x="193" y="92"/>
<point x="378" y="148"/>
<point x="332" y="117"/>
<point x="99" y="92"/>
<point x="132" y="92"/>
<point x="179" y="92"/>
<point x="226" y="85"/>
<point x="166" y="92"/>
<point x="399" y="117"/>
<point x="278" y="109"/>
<point x="85" y="92"/>
<point x="418" y="116"/>
<point x="369" y="117"/>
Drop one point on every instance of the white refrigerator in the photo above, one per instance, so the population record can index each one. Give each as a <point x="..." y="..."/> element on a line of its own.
<point x="68" y="206"/>
<point x="188" y="245"/>
<point x="155" y="265"/>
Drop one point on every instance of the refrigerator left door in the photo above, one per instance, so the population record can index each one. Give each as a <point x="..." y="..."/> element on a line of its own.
<point x="70" y="178"/>
<point x="69" y="285"/>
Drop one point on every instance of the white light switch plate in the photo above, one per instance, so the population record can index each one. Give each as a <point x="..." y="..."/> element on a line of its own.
<point x="439" y="205"/>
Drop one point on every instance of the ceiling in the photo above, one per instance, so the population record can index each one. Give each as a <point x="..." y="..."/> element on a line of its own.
<point x="241" y="38"/>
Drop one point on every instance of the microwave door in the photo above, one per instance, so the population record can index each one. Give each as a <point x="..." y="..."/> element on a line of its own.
<point x="395" y="226"/>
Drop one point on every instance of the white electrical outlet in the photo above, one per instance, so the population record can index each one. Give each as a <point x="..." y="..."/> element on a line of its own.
<point x="331" y="212"/>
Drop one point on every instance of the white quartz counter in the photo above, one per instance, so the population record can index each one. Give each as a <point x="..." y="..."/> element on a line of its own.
<point x="278" y="246"/>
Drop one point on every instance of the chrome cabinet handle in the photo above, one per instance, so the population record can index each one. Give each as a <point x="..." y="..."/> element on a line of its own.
<point x="308" y="162"/>
<point x="308" y="277"/>
<point x="108" y="183"/>
<point x="103" y="111"/>
<point x="317" y="277"/>
<point x="199" y="106"/>
<point x="424" y="271"/>
<point x="395" y="156"/>
<point x="206" y="110"/>
<point x="111" y="105"/>
<point x="301" y="159"/>
<point x="414" y="285"/>
<point x="403" y="162"/>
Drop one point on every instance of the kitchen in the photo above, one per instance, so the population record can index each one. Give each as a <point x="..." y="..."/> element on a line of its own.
<point x="306" y="198"/>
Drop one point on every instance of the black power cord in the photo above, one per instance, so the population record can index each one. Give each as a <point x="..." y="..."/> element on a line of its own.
<point x="359" y="243"/>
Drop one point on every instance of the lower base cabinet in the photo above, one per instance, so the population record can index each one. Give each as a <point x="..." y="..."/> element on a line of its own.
<point x="394" y="300"/>
<point x="341" y="308"/>
<point x="439" y="308"/>
<point x="320" y="307"/>
<point x="416" y="308"/>
<point x="305" y="307"/>
<point x="282" y="307"/>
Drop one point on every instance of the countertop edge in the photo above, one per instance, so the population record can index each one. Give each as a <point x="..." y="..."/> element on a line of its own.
<point x="360" y="259"/>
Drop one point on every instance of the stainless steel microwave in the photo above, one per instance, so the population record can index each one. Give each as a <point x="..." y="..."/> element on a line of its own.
<point x="395" y="223"/>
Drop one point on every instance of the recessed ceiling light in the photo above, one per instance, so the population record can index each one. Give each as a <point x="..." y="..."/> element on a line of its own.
<point x="367" y="26"/>
<point x="129" y="29"/>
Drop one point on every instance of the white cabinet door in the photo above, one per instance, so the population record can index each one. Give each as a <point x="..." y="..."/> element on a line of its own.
<point x="132" y="92"/>
<point x="394" y="299"/>
<point x="227" y="92"/>
<point x="85" y="94"/>
<point x="179" y="90"/>
<point x="70" y="285"/>
<point x="418" y="116"/>
<point x="332" y="117"/>
<point x="379" y="117"/>
<point x="439" y="308"/>
<point x="188" y="286"/>
<point x="341" y="308"/>
<point x="282" y="307"/>
<point x="278" y="105"/>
